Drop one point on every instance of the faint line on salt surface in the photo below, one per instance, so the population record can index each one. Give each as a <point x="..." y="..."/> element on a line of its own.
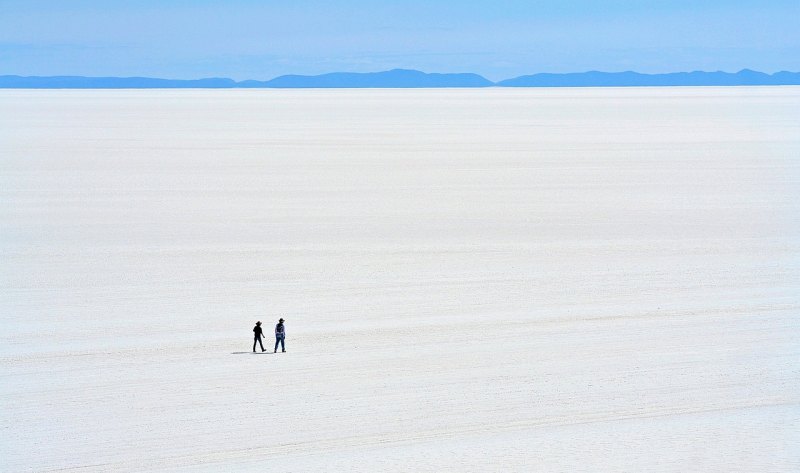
<point x="313" y="447"/>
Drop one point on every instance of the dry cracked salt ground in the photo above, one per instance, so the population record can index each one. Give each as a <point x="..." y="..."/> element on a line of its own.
<point x="473" y="280"/>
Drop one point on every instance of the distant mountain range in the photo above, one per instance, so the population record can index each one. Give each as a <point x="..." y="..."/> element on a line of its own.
<point x="404" y="78"/>
<point x="634" y="79"/>
<point x="396" y="78"/>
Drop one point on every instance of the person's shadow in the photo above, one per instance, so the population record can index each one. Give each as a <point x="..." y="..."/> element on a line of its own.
<point x="251" y="353"/>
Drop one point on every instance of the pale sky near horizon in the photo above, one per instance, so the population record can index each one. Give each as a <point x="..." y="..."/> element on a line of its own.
<point x="249" y="39"/>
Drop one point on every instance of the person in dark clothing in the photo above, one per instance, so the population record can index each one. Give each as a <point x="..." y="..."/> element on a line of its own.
<point x="280" y="335"/>
<point x="257" y="333"/>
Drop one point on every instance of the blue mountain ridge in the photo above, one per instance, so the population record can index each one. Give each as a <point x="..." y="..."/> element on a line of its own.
<point x="405" y="78"/>
<point x="80" y="82"/>
<point x="396" y="78"/>
<point x="635" y="79"/>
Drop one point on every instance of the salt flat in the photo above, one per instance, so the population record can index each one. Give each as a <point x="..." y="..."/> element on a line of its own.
<point x="473" y="280"/>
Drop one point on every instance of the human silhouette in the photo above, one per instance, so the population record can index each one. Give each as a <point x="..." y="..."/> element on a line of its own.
<point x="257" y="333"/>
<point x="280" y="335"/>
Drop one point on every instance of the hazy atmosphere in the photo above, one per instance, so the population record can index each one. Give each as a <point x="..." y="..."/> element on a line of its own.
<point x="248" y="39"/>
<point x="509" y="236"/>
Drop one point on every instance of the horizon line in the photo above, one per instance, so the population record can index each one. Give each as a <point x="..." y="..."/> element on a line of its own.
<point x="744" y="69"/>
<point x="412" y="78"/>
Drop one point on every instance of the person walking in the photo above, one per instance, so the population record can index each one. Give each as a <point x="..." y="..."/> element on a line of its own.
<point x="280" y="336"/>
<point x="257" y="333"/>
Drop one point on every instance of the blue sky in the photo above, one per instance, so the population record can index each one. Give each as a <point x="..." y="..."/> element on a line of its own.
<point x="499" y="39"/>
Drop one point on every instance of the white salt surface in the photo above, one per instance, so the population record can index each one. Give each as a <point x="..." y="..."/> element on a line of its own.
<point x="473" y="280"/>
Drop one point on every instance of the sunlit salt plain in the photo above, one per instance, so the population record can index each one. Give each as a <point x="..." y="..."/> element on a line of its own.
<point x="473" y="280"/>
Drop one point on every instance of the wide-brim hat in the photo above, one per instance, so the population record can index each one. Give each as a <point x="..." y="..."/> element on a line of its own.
<point x="280" y="320"/>
<point x="258" y="323"/>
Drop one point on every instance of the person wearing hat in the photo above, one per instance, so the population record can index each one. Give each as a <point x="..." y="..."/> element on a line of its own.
<point x="280" y="335"/>
<point x="257" y="333"/>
